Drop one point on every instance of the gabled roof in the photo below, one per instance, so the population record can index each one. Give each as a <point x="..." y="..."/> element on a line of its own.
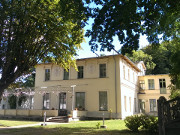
<point x="141" y="62"/>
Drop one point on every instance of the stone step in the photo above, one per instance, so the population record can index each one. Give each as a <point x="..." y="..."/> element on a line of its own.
<point x="60" y="119"/>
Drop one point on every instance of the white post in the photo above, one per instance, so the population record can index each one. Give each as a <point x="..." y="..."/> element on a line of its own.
<point x="73" y="96"/>
<point x="44" y="119"/>
<point x="103" y="118"/>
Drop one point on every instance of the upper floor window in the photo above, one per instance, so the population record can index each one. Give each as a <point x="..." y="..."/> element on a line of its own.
<point x="151" y="84"/>
<point x="80" y="72"/>
<point x="47" y="74"/>
<point x="124" y="72"/>
<point x="102" y="70"/>
<point x="162" y="85"/>
<point x="66" y="75"/>
<point x="142" y="84"/>
<point x="128" y="74"/>
<point x="103" y="101"/>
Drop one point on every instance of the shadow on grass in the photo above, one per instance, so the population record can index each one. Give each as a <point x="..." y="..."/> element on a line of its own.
<point x="68" y="131"/>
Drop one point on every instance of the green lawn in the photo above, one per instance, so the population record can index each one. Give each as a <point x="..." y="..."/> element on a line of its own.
<point x="10" y="123"/>
<point x="114" y="127"/>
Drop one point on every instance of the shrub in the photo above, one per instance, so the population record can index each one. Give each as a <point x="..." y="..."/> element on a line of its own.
<point x="152" y="124"/>
<point x="133" y="123"/>
<point x="149" y="123"/>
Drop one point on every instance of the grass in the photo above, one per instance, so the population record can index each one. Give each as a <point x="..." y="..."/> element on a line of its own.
<point x="114" y="127"/>
<point x="10" y="123"/>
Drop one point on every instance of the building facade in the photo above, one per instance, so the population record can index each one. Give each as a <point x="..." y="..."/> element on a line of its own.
<point x="109" y="84"/>
<point x="151" y="88"/>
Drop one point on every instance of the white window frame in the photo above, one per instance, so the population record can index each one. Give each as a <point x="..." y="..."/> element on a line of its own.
<point x="152" y="105"/>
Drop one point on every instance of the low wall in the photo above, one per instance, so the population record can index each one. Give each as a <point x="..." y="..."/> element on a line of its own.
<point x="14" y="112"/>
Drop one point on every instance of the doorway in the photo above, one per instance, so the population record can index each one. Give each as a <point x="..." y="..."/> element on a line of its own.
<point x="62" y="104"/>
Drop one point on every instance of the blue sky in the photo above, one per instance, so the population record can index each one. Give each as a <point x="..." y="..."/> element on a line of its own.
<point x="86" y="50"/>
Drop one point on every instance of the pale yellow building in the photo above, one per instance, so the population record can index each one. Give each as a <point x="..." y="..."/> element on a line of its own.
<point x="108" y="84"/>
<point x="151" y="88"/>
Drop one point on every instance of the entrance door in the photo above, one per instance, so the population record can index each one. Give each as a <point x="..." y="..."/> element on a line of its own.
<point x="62" y="104"/>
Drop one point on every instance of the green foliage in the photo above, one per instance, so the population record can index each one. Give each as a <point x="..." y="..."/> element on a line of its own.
<point x="127" y="19"/>
<point x="139" y="55"/>
<point x="12" y="101"/>
<point x="160" y="56"/>
<point x="24" y="81"/>
<point x="33" y="31"/>
<point x="133" y="123"/>
<point x="149" y="123"/>
<point x="175" y="62"/>
<point x="174" y="91"/>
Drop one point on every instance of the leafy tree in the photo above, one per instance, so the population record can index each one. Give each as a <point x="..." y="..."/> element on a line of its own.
<point x="127" y="19"/>
<point x="175" y="71"/>
<point x="33" y="31"/>
<point x="139" y="55"/>
<point x="160" y="56"/>
<point x="175" y="61"/>
<point x="24" y="81"/>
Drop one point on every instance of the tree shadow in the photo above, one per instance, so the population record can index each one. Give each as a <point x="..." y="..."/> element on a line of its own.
<point x="68" y="131"/>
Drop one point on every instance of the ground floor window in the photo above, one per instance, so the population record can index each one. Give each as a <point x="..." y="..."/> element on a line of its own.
<point x="152" y="103"/>
<point x="103" y="106"/>
<point x="46" y="101"/>
<point x="134" y="104"/>
<point x="130" y="104"/>
<point x="141" y="106"/>
<point x="80" y="100"/>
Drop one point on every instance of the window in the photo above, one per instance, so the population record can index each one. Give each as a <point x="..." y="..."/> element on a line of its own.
<point x="102" y="70"/>
<point x="128" y="74"/>
<point x="47" y="74"/>
<point x="151" y="84"/>
<point x="80" y="72"/>
<point x="66" y="74"/>
<point x="46" y="101"/>
<point x="135" y="105"/>
<point x="162" y="85"/>
<point x="62" y="100"/>
<point x="152" y="103"/>
<point x="103" y="101"/>
<point x="133" y="77"/>
<point x="141" y="106"/>
<point x="142" y="84"/>
<point x="124" y="72"/>
<point x="130" y="104"/>
<point x="80" y="100"/>
<point x="125" y="103"/>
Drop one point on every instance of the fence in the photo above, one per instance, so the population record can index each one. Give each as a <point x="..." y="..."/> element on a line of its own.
<point x="28" y="113"/>
<point x="168" y="113"/>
